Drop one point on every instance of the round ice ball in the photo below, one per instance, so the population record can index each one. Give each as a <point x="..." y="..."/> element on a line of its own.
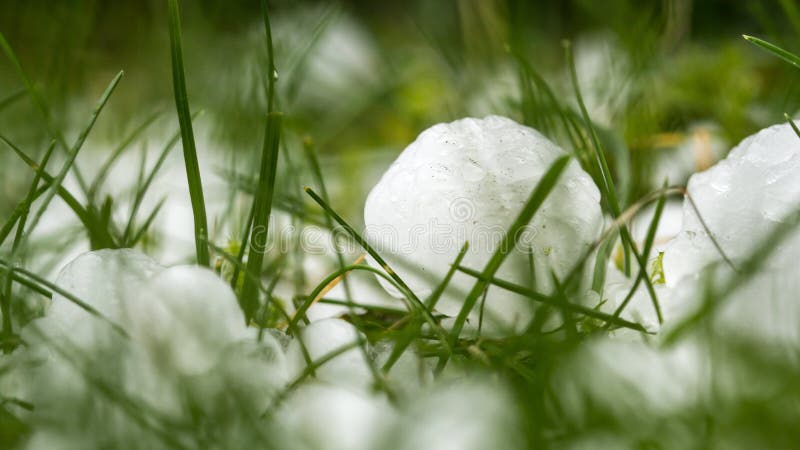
<point x="467" y="181"/>
<point x="741" y="199"/>
<point x="104" y="280"/>
<point x="187" y="317"/>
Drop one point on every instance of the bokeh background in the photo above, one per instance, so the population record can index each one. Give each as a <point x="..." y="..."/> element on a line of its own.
<point x="364" y="78"/>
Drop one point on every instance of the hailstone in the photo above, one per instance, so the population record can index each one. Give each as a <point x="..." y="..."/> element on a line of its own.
<point x="467" y="181"/>
<point x="323" y="337"/>
<point x="104" y="280"/>
<point x="741" y="199"/>
<point x="182" y="316"/>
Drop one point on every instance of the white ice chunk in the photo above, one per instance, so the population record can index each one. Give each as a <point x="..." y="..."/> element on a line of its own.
<point x="741" y="199"/>
<point x="323" y="337"/>
<point x="467" y="181"/>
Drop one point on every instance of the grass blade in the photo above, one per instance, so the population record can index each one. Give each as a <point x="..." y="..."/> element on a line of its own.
<point x="11" y="98"/>
<point x="550" y="301"/>
<point x="262" y="206"/>
<point x="43" y="283"/>
<point x="430" y="303"/>
<point x="102" y="173"/>
<point x="59" y="178"/>
<point x="789" y="57"/>
<point x="187" y="136"/>
<point x="96" y="233"/>
<point x="40" y="104"/>
<point x="142" y="190"/>
<point x="384" y="265"/>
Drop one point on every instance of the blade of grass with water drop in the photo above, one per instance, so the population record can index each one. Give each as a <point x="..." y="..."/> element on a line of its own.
<point x="265" y="191"/>
<point x="187" y="136"/>
<point x="789" y="57"/>
<point x="262" y="206"/>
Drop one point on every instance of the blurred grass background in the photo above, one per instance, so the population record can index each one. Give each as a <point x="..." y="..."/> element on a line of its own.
<point x="360" y="77"/>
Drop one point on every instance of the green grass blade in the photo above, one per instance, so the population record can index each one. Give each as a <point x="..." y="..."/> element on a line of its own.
<point x="316" y="170"/>
<point x="792" y="124"/>
<point x="430" y="303"/>
<point x="303" y="308"/>
<point x="789" y="57"/>
<point x="146" y="225"/>
<point x="506" y="244"/>
<point x="187" y="136"/>
<point x="11" y="98"/>
<point x="382" y="262"/>
<point x="272" y="73"/>
<point x="648" y="245"/>
<point x="262" y="206"/>
<point x="5" y="301"/>
<point x="41" y="105"/>
<point x="105" y="168"/>
<point x="59" y="178"/>
<point x="36" y="279"/>
<point x="550" y="301"/>
<point x="142" y="190"/>
<point x="30" y="196"/>
<point x="82" y="213"/>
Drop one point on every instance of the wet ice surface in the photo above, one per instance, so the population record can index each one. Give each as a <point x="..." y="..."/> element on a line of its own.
<point x="741" y="199"/>
<point x="468" y="180"/>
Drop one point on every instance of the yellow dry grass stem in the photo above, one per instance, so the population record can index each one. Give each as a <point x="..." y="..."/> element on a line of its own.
<point x="326" y="289"/>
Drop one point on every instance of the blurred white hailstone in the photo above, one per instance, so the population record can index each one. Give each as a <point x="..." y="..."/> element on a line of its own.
<point x="741" y="199"/>
<point x="410" y="373"/>
<point x="104" y="280"/>
<point x="467" y="181"/>
<point x="630" y="381"/>
<point x="183" y="315"/>
<point x="332" y="417"/>
<point x="471" y="413"/>
<point x="323" y="337"/>
<point x="187" y="316"/>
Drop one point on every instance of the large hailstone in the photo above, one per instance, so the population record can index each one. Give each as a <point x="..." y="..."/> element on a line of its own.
<point x="741" y="199"/>
<point x="468" y="180"/>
